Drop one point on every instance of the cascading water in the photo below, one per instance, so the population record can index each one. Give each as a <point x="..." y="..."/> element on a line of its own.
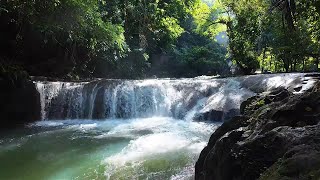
<point x="128" y="129"/>
<point x="182" y="99"/>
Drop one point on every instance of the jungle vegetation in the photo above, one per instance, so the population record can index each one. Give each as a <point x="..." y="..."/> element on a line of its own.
<point x="78" y="39"/>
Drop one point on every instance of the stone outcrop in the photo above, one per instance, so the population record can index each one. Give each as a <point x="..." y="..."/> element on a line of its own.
<point x="20" y="102"/>
<point x="277" y="137"/>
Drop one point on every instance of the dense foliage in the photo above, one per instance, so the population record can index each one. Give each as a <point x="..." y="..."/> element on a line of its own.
<point x="280" y="35"/>
<point x="56" y="37"/>
<point x="164" y="38"/>
<point x="99" y="38"/>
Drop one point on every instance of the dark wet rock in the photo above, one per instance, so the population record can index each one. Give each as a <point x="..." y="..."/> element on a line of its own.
<point x="20" y="102"/>
<point x="302" y="161"/>
<point x="99" y="106"/>
<point x="313" y="75"/>
<point x="254" y="103"/>
<point x="230" y="114"/>
<point x="213" y="115"/>
<point x="277" y="139"/>
<point x="229" y="126"/>
<point x="216" y="115"/>
<point x="297" y="88"/>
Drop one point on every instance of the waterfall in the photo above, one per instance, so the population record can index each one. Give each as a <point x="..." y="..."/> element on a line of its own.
<point x="129" y="129"/>
<point x="178" y="98"/>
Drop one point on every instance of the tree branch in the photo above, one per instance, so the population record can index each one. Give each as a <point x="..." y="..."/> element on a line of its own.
<point x="217" y="22"/>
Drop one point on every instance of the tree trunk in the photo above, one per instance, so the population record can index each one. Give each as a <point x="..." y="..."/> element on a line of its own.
<point x="286" y="64"/>
<point x="275" y="64"/>
<point x="317" y="64"/>
<point x="263" y="58"/>
<point x="303" y="65"/>
<point x="289" y="14"/>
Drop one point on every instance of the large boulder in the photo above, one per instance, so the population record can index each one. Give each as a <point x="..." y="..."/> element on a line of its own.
<point x="276" y="139"/>
<point x="252" y="104"/>
<point x="20" y="102"/>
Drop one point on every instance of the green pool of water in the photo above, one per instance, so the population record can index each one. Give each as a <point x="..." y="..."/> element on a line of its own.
<point x="150" y="148"/>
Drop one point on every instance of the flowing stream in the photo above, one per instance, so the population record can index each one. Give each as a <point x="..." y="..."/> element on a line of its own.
<point x="128" y="129"/>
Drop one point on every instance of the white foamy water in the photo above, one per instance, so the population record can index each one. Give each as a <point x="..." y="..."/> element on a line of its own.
<point x="177" y="98"/>
<point x="165" y="148"/>
<point x="142" y="148"/>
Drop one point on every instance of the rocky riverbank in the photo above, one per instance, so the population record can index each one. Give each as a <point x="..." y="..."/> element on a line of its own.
<point x="276" y="137"/>
<point x="20" y="102"/>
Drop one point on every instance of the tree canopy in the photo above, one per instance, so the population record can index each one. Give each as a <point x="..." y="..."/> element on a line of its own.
<point x="170" y="38"/>
<point x="275" y="35"/>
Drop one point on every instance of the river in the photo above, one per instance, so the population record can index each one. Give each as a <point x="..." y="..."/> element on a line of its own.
<point x="128" y="129"/>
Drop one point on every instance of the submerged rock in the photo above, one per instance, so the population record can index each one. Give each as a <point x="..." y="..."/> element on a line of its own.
<point x="277" y="137"/>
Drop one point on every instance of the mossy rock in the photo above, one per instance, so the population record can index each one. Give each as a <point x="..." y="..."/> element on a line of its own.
<point x="303" y="167"/>
<point x="279" y="139"/>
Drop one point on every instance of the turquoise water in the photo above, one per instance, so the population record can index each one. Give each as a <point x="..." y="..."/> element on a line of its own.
<point x="149" y="148"/>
